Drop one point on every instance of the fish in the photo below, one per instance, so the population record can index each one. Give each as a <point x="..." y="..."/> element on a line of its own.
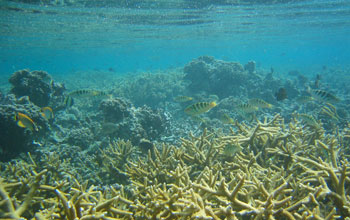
<point x="323" y="96"/>
<point x="198" y="118"/>
<point x="232" y="149"/>
<point x="68" y="101"/>
<point x="182" y="98"/>
<point x="304" y="99"/>
<point x="226" y="119"/>
<point x="309" y="120"/>
<point x="281" y="94"/>
<point x="25" y="121"/>
<point x="47" y="113"/>
<point x="246" y="108"/>
<point x="199" y="108"/>
<point x="259" y="103"/>
<point x="82" y="93"/>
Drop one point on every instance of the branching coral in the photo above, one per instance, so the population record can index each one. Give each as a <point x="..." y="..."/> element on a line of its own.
<point x="291" y="172"/>
<point x="113" y="161"/>
<point x="16" y="197"/>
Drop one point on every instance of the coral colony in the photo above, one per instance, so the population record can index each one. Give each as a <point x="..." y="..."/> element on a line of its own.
<point x="123" y="157"/>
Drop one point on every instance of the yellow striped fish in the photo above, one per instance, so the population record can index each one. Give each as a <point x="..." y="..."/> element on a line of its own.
<point x="323" y="96"/>
<point x="47" y="113"/>
<point x="304" y="99"/>
<point x="246" y="108"/>
<point x="259" y="103"/>
<point x="25" y="121"/>
<point x="309" y="120"/>
<point x="68" y="101"/>
<point x="226" y="119"/>
<point x="199" y="108"/>
<point x="182" y="98"/>
<point x="88" y="93"/>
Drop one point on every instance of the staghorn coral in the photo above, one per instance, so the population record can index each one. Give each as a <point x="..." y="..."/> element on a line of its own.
<point x="113" y="161"/>
<point x="278" y="174"/>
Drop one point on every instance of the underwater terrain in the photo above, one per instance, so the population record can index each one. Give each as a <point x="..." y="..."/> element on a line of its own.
<point x="168" y="117"/>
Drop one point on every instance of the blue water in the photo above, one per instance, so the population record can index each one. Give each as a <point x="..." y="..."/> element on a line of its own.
<point x="303" y="35"/>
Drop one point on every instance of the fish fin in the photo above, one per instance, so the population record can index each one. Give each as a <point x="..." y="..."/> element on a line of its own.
<point x="20" y="123"/>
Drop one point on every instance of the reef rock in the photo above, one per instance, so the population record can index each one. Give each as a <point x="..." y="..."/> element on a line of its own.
<point x="14" y="139"/>
<point x="38" y="85"/>
<point x="116" y="109"/>
<point x="130" y="123"/>
<point x="81" y="137"/>
<point x="250" y="67"/>
<point x="154" y="122"/>
<point x="216" y="76"/>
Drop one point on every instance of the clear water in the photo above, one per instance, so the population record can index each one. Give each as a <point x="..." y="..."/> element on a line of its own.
<point x="130" y="36"/>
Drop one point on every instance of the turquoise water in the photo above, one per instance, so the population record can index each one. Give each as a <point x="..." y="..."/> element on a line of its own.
<point x="65" y="36"/>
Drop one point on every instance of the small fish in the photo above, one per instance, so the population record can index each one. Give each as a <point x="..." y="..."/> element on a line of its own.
<point x="281" y="94"/>
<point x="304" y="99"/>
<point x="25" y="122"/>
<point x="47" y="113"/>
<point x="182" y="99"/>
<point x="323" y="96"/>
<point x="199" y="108"/>
<point x="309" y="120"/>
<point x="88" y="93"/>
<point x="226" y="119"/>
<point x="246" y="108"/>
<point x="68" y="101"/>
<point x="232" y="149"/>
<point x="259" y="103"/>
<point x="197" y="118"/>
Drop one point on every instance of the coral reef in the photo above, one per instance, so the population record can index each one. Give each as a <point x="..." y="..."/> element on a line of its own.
<point x="14" y="139"/>
<point x="284" y="171"/>
<point x="81" y="137"/>
<point x="152" y="89"/>
<point x="250" y="67"/>
<point x="38" y="85"/>
<point x="132" y="123"/>
<point x="115" y="110"/>
<point x="104" y="159"/>
<point x="210" y="75"/>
